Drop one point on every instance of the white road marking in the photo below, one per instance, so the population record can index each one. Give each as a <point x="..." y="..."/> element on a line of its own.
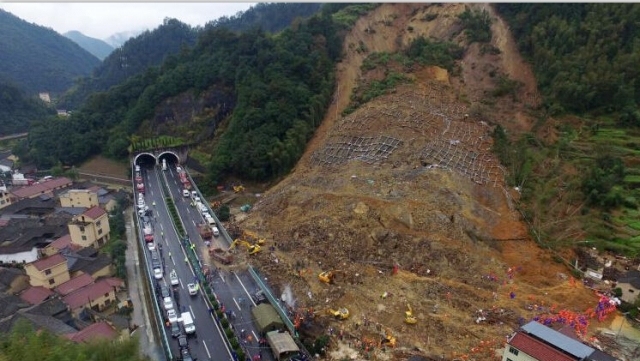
<point x="245" y="290"/>
<point x="237" y="305"/>
<point x="206" y="349"/>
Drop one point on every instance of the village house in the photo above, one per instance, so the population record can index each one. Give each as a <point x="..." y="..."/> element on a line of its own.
<point x="46" y="187"/>
<point x="49" y="272"/>
<point x="99" y="330"/>
<point x="79" y="198"/>
<point x="91" y="228"/>
<point x="89" y="261"/>
<point x="13" y="280"/>
<point x="5" y="197"/>
<point x="629" y="283"/>
<point x="537" y="342"/>
<point x="96" y="296"/>
<point x="18" y="254"/>
<point x="58" y="245"/>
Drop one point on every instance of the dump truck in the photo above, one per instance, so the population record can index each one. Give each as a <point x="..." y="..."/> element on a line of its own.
<point x="221" y="255"/>
<point x="205" y="231"/>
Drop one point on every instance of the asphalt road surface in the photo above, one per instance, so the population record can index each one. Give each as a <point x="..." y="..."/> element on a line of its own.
<point x="234" y="290"/>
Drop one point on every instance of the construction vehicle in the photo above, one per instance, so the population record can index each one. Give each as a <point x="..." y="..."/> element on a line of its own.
<point x="388" y="340"/>
<point x="205" y="231"/>
<point x="251" y="237"/>
<point x="409" y="317"/>
<point x="238" y="188"/>
<point x="252" y="248"/>
<point x="341" y="314"/>
<point x="328" y="276"/>
<point x="223" y="256"/>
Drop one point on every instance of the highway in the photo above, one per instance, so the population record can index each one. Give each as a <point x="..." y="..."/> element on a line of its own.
<point x="234" y="290"/>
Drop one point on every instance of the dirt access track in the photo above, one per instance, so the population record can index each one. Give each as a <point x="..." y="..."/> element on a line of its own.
<point x="409" y="180"/>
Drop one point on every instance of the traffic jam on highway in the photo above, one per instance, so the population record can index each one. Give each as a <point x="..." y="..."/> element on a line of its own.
<point x="191" y="328"/>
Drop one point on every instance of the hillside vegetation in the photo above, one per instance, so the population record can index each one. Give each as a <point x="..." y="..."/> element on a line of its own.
<point x="38" y="59"/>
<point x="18" y="110"/>
<point x="580" y="182"/>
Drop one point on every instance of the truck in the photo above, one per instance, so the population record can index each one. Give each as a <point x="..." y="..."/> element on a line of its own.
<point x="140" y="187"/>
<point x="164" y="164"/>
<point x="148" y="234"/>
<point x="184" y="179"/>
<point x="187" y="322"/>
<point x="221" y="255"/>
<point x="205" y="231"/>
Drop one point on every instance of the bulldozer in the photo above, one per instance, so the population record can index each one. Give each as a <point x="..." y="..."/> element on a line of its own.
<point x="328" y="276"/>
<point x="409" y="318"/>
<point x="252" y="248"/>
<point x="341" y="314"/>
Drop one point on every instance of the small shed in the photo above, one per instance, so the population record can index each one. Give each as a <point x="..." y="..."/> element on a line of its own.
<point x="266" y="318"/>
<point x="282" y="344"/>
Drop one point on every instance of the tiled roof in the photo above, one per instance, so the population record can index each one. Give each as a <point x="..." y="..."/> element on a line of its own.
<point x="87" y="294"/>
<point x="42" y="187"/>
<point x="538" y="349"/>
<point x="94" y="212"/>
<point x="61" y="242"/>
<point x="46" y="263"/>
<point x="35" y="295"/>
<point x="114" y="281"/>
<point x="632" y="277"/>
<point x="73" y="284"/>
<point x="94" y="331"/>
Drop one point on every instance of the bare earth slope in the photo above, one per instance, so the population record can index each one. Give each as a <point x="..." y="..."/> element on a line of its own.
<point x="410" y="180"/>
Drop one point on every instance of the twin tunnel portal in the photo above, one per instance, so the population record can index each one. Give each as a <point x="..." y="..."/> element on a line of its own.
<point x="177" y="155"/>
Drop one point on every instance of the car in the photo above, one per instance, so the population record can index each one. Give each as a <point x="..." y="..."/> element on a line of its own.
<point x="151" y="246"/>
<point x="167" y="303"/>
<point x="164" y="291"/>
<point x="178" y="169"/>
<point x="185" y="193"/>
<point x="173" y="276"/>
<point x="193" y="289"/>
<point x="175" y="329"/>
<point x="172" y="315"/>
<point x="183" y="341"/>
<point x="185" y="354"/>
<point x="259" y="297"/>
<point x="157" y="273"/>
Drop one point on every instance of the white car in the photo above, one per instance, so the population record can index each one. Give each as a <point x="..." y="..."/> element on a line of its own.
<point x="173" y="276"/>
<point x="157" y="273"/>
<point x="172" y="315"/>
<point x="193" y="288"/>
<point x="168" y="303"/>
<point x="151" y="246"/>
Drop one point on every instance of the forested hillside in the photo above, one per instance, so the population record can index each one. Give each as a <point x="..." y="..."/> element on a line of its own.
<point x="585" y="56"/>
<point x="38" y="58"/>
<point x="138" y="54"/>
<point x="280" y="84"/>
<point x="151" y="48"/>
<point x="18" y="110"/>
<point x="578" y="166"/>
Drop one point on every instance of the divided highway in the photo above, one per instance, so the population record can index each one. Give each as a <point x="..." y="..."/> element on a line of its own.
<point x="233" y="289"/>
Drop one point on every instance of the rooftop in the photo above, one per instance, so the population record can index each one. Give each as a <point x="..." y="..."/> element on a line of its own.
<point x="61" y="242"/>
<point x="86" y="294"/>
<point x="41" y="188"/>
<point x="49" y="262"/>
<point x="94" y="331"/>
<point x="538" y="349"/>
<point x="36" y="295"/>
<point x="632" y="277"/>
<point x="74" y="284"/>
<point x="557" y="339"/>
<point x="94" y="212"/>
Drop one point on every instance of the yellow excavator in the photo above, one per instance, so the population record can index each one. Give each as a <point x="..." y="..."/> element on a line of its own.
<point x="388" y="340"/>
<point x="252" y="248"/>
<point x="252" y="237"/>
<point x="238" y="188"/>
<point x="341" y="313"/>
<point x="409" y="317"/>
<point x="328" y="276"/>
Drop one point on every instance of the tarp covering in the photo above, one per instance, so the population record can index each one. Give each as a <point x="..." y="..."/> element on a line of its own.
<point x="266" y="317"/>
<point x="282" y="344"/>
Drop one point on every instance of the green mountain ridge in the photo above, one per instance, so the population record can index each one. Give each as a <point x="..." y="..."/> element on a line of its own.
<point x="39" y="59"/>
